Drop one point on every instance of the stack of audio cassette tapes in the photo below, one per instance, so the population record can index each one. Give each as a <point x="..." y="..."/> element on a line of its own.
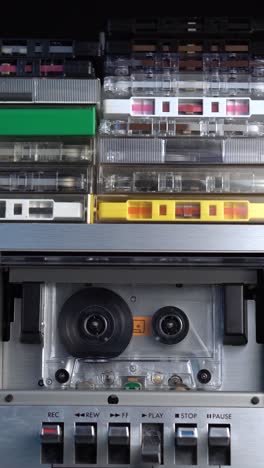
<point x="182" y="134"/>
<point x="48" y="102"/>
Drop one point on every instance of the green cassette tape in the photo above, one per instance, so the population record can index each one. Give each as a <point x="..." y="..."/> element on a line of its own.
<point x="48" y="121"/>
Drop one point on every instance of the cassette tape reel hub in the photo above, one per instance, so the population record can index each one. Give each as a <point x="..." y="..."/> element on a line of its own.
<point x="170" y="325"/>
<point x="95" y="323"/>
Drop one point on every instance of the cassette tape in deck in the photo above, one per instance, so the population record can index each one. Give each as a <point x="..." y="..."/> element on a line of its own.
<point x="132" y="337"/>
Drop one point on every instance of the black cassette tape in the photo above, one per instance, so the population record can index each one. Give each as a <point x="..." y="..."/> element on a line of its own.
<point x="179" y="26"/>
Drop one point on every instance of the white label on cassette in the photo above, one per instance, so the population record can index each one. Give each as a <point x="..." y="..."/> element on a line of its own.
<point x="184" y="107"/>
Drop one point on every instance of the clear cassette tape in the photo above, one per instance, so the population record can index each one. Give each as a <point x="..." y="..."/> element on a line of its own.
<point x="164" y="126"/>
<point x="188" y="60"/>
<point x="108" y="337"/>
<point x="171" y="208"/>
<point x="50" y="90"/>
<point x="46" y="152"/>
<point x="181" y="84"/>
<point x="184" y="150"/>
<point x="184" y="107"/>
<point x="166" y="179"/>
<point x="71" y="179"/>
<point x="45" y="208"/>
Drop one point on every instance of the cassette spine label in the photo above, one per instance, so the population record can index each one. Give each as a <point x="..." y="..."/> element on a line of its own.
<point x="63" y="121"/>
<point x="46" y="68"/>
<point x="42" y="209"/>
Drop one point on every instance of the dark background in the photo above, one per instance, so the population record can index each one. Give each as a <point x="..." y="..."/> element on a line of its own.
<point x="84" y="19"/>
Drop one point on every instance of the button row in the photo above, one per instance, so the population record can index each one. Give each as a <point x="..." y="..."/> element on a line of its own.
<point x="152" y="444"/>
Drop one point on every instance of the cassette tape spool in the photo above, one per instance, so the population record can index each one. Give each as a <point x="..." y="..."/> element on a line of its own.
<point x="95" y="323"/>
<point x="107" y="337"/>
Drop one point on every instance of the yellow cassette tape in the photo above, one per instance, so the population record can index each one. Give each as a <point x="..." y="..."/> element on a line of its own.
<point x="180" y="210"/>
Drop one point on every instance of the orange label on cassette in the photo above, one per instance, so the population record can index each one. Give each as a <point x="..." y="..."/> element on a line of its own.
<point x="142" y="326"/>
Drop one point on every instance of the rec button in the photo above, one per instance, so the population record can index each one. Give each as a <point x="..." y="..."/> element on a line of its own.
<point x="51" y="434"/>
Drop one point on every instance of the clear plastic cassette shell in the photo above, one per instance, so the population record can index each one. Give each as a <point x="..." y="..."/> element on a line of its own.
<point x="190" y="60"/>
<point x="170" y="127"/>
<point x="63" y="180"/>
<point x="44" y="208"/>
<point x="179" y="208"/>
<point x="154" y="365"/>
<point x="50" y="90"/>
<point x="46" y="152"/>
<point x="157" y="179"/>
<point x="184" y="150"/>
<point x="181" y="84"/>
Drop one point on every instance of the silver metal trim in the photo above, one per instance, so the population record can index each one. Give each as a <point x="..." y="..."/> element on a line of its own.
<point x="126" y="398"/>
<point x="133" y="238"/>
